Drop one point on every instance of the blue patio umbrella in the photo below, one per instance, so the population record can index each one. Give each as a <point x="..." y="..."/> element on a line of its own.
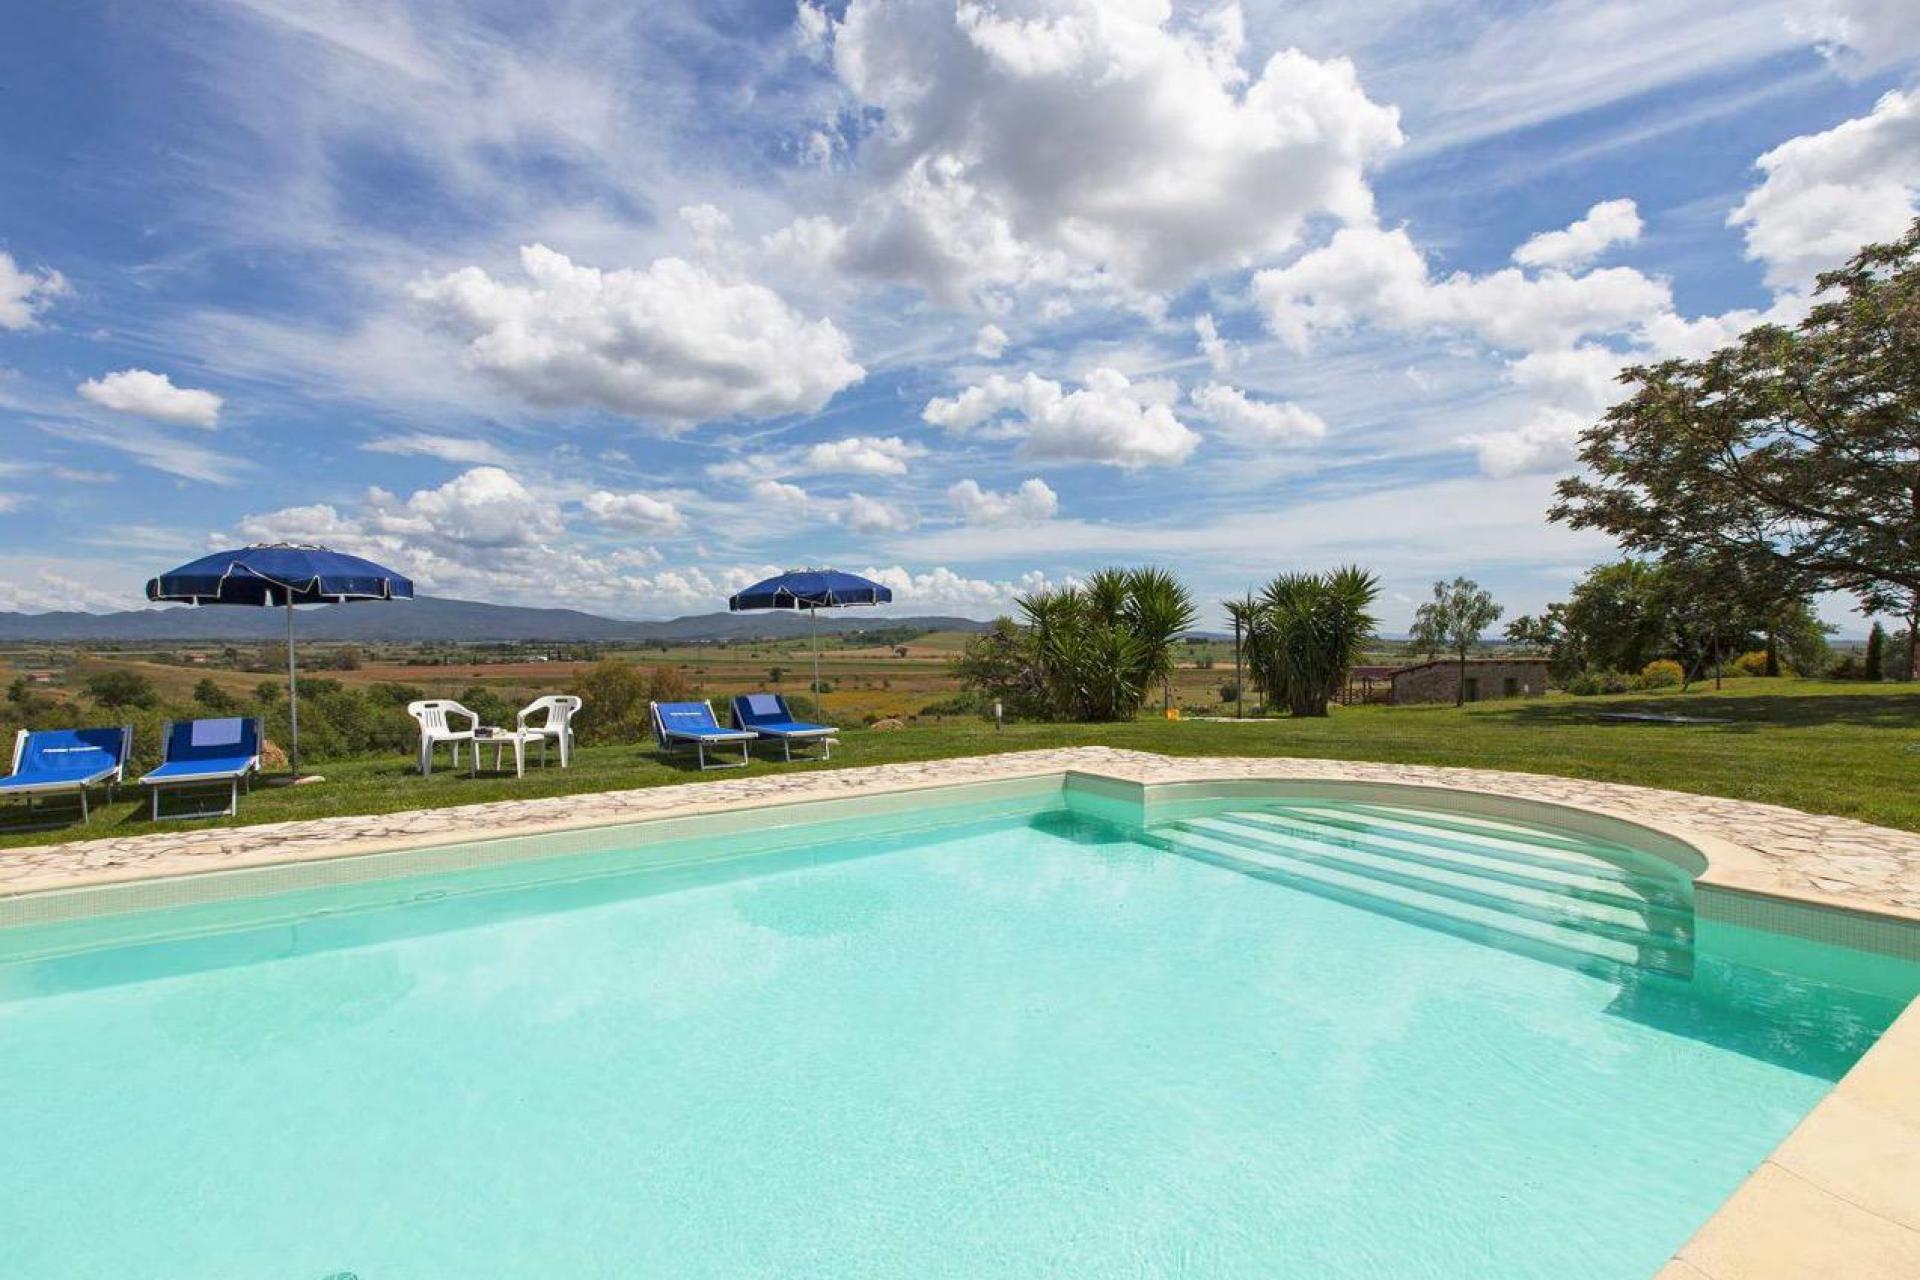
<point x="270" y="574"/>
<point x="812" y="590"/>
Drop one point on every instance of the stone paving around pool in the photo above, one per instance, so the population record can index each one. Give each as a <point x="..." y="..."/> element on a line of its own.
<point x="1789" y="853"/>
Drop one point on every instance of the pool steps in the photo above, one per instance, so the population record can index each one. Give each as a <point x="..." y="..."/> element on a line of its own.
<point x="1572" y="906"/>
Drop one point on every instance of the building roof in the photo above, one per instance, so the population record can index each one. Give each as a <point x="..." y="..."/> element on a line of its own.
<point x="1527" y="659"/>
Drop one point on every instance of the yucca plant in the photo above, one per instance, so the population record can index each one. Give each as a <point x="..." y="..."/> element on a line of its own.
<point x="1159" y="610"/>
<point x="1102" y="646"/>
<point x="1307" y="632"/>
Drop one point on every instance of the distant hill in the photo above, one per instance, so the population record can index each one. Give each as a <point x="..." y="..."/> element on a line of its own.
<point x="433" y="619"/>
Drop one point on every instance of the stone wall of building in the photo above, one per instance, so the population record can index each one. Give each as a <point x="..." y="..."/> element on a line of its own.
<point x="1487" y="679"/>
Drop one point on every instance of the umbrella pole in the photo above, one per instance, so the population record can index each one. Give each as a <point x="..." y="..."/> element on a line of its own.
<point x="293" y="698"/>
<point x="819" y="695"/>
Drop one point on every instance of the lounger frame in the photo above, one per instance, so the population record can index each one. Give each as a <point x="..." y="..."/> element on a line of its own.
<point x="823" y="734"/>
<point x="236" y="783"/>
<point x="236" y="780"/>
<point x="671" y="738"/>
<point x="112" y="777"/>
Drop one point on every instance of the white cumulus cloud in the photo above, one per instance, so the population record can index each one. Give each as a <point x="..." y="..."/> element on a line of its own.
<point x="634" y="512"/>
<point x="1547" y="441"/>
<point x="480" y="508"/>
<point x="1063" y="138"/>
<point x="1257" y="422"/>
<point x="861" y="455"/>
<point x="1033" y="502"/>
<point x="1110" y="420"/>
<point x="851" y="455"/>
<point x="1220" y="353"/>
<point x="862" y="514"/>
<point x="1372" y="275"/>
<point x="672" y="343"/>
<point x="1608" y="223"/>
<point x="942" y="588"/>
<point x="1826" y="194"/>
<point x="990" y="342"/>
<point x="146" y="394"/>
<point x="779" y="494"/>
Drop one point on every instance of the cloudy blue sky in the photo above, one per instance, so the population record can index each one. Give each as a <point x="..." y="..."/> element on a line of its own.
<point x="620" y="303"/>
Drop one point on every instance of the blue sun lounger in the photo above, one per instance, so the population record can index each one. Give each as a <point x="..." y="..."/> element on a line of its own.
<point x="684" y="724"/>
<point x="56" y="761"/>
<point x="768" y="715"/>
<point x="202" y="754"/>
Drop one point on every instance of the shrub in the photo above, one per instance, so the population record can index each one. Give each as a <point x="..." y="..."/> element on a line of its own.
<point x="613" y="703"/>
<point x="215" y="699"/>
<point x="1663" y="674"/>
<point x="115" y="690"/>
<point x="1589" y="683"/>
<point x="803" y="708"/>
<point x="1229" y="691"/>
<point x="1754" y="663"/>
<point x="964" y="704"/>
<point x="670" y="684"/>
<point x="489" y="706"/>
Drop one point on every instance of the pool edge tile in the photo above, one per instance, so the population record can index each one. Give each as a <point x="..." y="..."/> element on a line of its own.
<point x="1779" y="1226"/>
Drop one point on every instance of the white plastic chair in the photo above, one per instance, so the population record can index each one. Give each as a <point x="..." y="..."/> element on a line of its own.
<point x="433" y="715"/>
<point x="559" y="710"/>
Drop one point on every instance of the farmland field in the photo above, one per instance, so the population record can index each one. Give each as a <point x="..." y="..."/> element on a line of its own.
<point x="865" y="681"/>
<point x="1843" y="748"/>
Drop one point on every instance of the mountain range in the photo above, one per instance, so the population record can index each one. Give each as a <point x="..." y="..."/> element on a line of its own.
<point x="429" y="618"/>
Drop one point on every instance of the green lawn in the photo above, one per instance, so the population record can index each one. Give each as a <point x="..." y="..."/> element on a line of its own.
<point x="1847" y="749"/>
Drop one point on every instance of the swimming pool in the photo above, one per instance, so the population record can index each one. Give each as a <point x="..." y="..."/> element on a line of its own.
<point x="1308" y="1037"/>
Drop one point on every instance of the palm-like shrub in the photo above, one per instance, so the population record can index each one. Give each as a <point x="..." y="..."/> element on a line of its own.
<point x="1100" y="648"/>
<point x="1307" y="631"/>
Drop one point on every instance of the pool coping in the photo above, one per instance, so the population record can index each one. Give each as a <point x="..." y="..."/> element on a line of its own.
<point x="1840" y="1195"/>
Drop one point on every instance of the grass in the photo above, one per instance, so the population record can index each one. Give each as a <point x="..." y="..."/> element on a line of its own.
<point x="1848" y="749"/>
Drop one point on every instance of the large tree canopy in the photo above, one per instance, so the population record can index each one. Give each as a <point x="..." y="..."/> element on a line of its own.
<point x="1796" y="450"/>
<point x="1624" y="615"/>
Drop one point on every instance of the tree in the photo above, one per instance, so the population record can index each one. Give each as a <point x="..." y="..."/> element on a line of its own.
<point x="1624" y="615"/>
<point x="210" y="695"/>
<point x="118" y="690"/>
<point x="999" y="665"/>
<point x="1796" y="448"/>
<point x="1616" y="617"/>
<point x="1876" y="652"/>
<point x="1453" y="620"/>
<point x="613" y="702"/>
<point x="1707" y="615"/>
<point x="1540" y="634"/>
<point x="1308" y="631"/>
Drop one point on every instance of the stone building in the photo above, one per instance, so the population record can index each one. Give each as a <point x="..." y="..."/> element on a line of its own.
<point x="1487" y="678"/>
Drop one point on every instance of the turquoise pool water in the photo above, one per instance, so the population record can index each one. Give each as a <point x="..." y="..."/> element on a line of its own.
<point x="1038" y="1047"/>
